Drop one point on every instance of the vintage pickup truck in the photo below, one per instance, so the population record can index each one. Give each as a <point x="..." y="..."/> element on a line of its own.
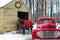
<point x="46" y="30"/>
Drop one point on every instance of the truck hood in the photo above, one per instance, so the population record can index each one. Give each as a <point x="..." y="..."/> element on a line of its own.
<point x="46" y="26"/>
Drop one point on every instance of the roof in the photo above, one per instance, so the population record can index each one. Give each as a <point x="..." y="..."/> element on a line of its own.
<point x="12" y="2"/>
<point x="46" y="18"/>
<point x="4" y="3"/>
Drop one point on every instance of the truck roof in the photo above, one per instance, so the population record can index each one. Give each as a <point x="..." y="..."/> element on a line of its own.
<point x="46" y="18"/>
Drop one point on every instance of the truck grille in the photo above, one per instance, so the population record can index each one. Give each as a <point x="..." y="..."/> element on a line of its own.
<point x="48" y="34"/>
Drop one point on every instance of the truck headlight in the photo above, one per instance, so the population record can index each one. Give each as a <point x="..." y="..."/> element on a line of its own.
<point x="57" y="33"/>
<point x="39" y="33"/>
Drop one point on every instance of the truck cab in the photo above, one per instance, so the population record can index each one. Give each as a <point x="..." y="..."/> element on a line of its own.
<point x="45" y="29"/>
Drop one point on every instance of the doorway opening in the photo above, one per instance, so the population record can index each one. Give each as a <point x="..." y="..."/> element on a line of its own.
<point x="23" y="15"/>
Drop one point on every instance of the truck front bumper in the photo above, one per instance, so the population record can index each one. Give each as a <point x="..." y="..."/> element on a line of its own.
<point x="45" y="39"/>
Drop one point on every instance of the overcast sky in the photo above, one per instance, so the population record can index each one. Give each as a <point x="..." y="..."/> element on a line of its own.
<point x="4" y="2"/>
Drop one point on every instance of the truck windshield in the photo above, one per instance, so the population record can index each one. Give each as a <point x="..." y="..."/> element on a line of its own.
<point x="45" y="21"/>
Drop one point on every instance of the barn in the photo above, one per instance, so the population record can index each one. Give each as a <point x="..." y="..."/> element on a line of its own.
<point x="9" y="15"/>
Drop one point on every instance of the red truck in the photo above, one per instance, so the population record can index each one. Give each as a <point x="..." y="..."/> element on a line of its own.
<point x="46" y="30"/>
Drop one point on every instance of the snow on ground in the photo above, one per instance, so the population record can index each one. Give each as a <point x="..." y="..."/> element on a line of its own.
<point x="14" y="36"/>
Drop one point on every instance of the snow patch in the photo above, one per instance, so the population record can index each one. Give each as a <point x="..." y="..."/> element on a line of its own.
<point x="4" y="2"/>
